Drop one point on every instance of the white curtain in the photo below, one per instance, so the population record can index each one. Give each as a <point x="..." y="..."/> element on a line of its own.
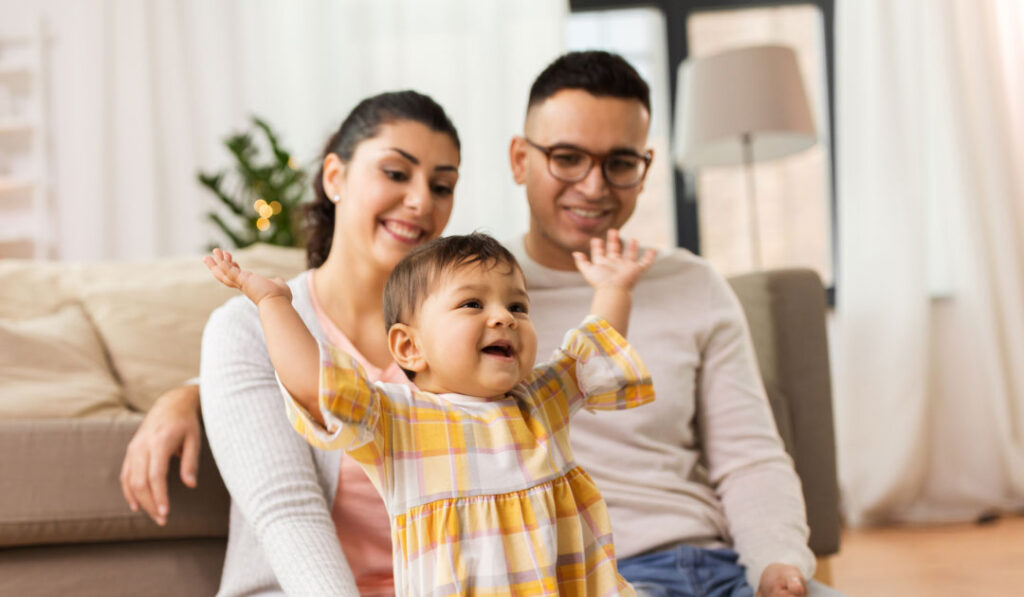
<point x="143" y="92"/>
<point x="929" y="347"/>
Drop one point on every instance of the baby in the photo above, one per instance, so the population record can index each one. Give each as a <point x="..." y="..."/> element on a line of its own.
<point x="474" y="464"/>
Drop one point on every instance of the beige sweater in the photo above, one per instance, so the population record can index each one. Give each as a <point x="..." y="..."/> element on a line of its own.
<point x="704" y="463"/>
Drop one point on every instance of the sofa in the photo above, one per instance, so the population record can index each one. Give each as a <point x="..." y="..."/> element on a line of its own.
<point x="87" y="348"/>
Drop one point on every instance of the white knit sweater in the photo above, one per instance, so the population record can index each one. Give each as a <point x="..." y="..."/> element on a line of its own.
<point x="281" y="535"/>
<point x="704" y="463"/>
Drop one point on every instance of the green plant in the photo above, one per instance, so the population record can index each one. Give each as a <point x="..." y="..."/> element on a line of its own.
<point x="263" y="193"/>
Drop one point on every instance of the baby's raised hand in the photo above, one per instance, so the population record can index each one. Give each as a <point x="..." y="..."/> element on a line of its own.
<point x="609" y="266"/>
<point x="254" y="286"/>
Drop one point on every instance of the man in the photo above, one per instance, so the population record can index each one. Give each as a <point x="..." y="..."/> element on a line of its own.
<point x="702" y="471"/>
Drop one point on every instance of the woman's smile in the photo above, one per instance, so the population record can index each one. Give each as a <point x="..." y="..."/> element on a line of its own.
<point x="403" y="231"/>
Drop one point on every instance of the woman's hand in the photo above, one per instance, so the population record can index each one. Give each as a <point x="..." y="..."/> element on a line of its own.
<point x="171" y="428"/>
<point x="254" y="286"/>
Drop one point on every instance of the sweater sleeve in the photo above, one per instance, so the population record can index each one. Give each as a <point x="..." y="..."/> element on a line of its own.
<point x="268" y="468"/>
<point x="747" y="464"/>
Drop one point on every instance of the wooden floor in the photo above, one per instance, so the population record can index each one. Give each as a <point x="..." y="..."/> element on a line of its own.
<point x="934" y="561"/>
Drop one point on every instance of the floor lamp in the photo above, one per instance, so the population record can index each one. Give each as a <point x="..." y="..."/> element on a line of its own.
<point x="740" y="106"/>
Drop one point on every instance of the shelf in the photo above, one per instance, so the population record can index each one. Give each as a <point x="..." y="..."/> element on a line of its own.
<point x="17" y="40"/>
<point x="18" y="226"/>
<point x="26" y="224"/>
<point x="16" y="237"/>
<point x="15" y="185"/>
<point x="20" y="250"/>
<point x="15" y="71"/>
<point x="15" y="125"/>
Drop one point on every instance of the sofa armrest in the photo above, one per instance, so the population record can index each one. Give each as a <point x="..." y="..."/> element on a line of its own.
<point x="786" y="313"/>
<point x="60" y="485"/>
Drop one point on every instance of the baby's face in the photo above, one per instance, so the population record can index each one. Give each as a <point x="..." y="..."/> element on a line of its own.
<point x="475" y="332"/>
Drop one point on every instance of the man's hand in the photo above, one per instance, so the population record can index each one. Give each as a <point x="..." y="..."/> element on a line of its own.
<point x="254" y="286"/>
<point x="608" y="266"/>
<point x="781" y="580"/>
<point x="171" y="428"/>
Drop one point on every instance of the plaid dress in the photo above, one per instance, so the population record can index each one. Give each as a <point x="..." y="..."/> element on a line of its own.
<point x="485" y="496"/>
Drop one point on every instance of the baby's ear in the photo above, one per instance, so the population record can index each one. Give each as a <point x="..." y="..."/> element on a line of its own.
<point x="405" y="349"/>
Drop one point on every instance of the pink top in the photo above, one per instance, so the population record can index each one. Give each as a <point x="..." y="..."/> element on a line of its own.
<point x="358" y="511"/>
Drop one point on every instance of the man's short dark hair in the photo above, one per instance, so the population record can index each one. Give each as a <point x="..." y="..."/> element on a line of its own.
<point x="599" y="73"/>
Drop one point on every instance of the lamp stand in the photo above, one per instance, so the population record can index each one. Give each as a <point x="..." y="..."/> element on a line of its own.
<point x="748" y="167"/>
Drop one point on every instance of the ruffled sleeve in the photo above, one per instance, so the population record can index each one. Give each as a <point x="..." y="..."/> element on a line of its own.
<point x="595" y="368"/>
<point x="349" y="403"/>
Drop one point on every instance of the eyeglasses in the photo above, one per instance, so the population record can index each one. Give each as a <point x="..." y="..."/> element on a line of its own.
<point x="621" y="168"/>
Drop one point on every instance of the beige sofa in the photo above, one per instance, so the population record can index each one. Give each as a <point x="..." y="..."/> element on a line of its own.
<point x="86" y="348"/>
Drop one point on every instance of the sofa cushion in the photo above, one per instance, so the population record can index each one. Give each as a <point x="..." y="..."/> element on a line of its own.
<point x="34" y="288"/>
<point x="55" y="366"/>
<point x="151" y="315"/>
<point x="59" y="484"/>
<point x="167" y="568"/>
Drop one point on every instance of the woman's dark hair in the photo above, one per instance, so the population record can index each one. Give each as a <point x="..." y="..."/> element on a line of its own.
<point x="599" y="73"/>
<point x="362" y="123"/>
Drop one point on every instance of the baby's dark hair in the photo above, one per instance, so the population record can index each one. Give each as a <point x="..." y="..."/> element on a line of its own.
<point x="418" y="273"/>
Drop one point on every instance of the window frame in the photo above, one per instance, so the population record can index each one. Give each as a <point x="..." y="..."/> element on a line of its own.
<point x="676" y="13"/>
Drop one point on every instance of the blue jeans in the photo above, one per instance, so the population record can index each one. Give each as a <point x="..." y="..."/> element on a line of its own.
<point x="686" y="571"/>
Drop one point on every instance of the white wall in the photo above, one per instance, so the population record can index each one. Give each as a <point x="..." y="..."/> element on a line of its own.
<point x="142" y="92"/>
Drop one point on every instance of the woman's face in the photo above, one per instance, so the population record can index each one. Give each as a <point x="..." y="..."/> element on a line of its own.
<point x="395" y="193"/>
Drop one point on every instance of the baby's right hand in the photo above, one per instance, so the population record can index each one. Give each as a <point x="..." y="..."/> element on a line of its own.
<point x="254" y="286"/>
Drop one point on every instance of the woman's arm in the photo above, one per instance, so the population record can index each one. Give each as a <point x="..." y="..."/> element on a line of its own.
<point x="171" y="428"/>
<point x="268" y="468"/>
<point x="293" y="350"/>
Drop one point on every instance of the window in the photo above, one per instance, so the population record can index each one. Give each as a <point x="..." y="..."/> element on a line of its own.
<point x="795" y="195"/>
<point x="792" y="201"/>
<point x="638" y="35"/>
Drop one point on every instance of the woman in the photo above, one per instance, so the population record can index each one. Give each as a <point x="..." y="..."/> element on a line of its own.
<point x="385" y="186"/>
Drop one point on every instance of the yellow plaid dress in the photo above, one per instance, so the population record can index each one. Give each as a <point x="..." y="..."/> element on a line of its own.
<point x="485" y="497"/>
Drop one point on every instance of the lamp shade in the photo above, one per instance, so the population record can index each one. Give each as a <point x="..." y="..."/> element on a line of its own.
<point x="755" y="91"/>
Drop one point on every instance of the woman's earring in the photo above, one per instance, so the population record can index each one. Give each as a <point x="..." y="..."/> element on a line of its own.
<point x="336" y="199"/>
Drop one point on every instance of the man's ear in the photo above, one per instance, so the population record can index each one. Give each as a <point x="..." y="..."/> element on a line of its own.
<point x="405" y="348"/>
<point x="517" y="159"/>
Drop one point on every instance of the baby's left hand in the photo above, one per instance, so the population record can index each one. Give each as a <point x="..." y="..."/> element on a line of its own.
<point x="223" y="267"/>
<point x="608" y="266"/>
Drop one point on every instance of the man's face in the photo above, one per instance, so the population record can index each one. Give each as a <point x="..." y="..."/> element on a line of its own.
<point x="565" y="216"/>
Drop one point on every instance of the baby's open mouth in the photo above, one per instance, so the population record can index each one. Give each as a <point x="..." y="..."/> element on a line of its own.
<point x="500" y="348"/>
